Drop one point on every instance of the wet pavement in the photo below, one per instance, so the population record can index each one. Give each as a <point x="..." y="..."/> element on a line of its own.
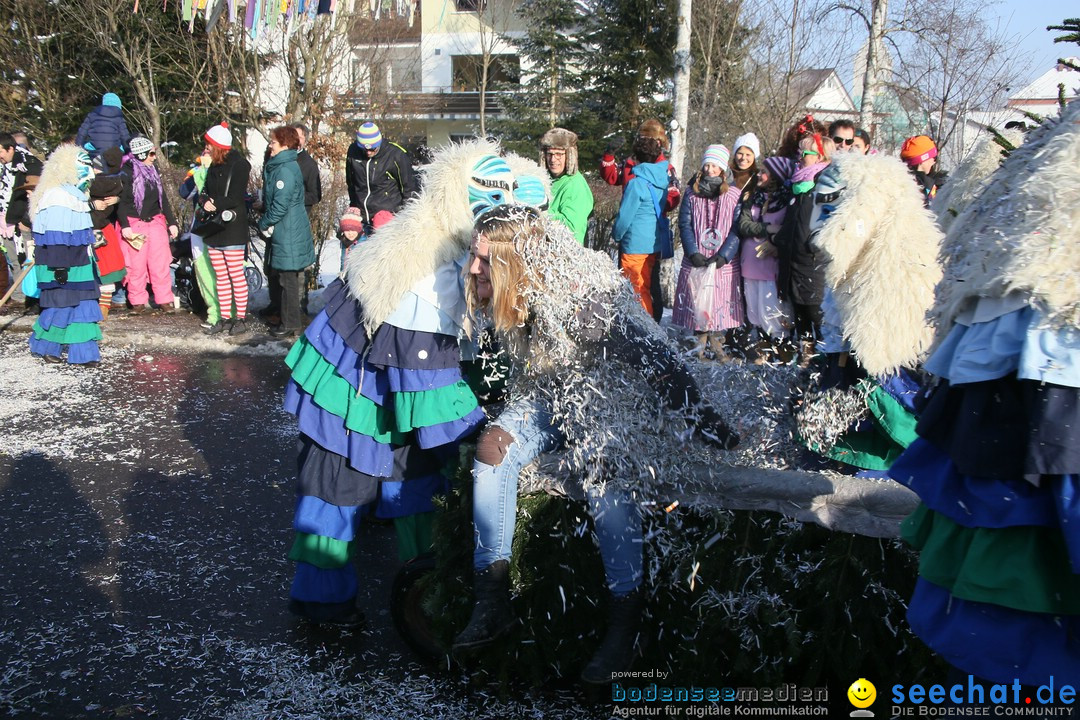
<point x="147" y="507"/>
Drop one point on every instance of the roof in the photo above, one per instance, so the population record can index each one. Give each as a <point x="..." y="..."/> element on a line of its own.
<point x="819" y="90"/>
<point x="1045" y="87"/>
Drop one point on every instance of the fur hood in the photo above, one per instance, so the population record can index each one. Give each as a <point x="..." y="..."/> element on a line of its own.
<point x="61" y="168"/>
<point x="882" y="246"/>
<point x="970" y="177"/>
<point x="432" y="229"/>
<point x="1022" y="232"/>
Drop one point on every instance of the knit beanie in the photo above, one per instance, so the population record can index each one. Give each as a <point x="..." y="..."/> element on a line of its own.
<point x="353" y="220"/>
<point x="368" y="136"/>
<point x="749" y="141"/>
<point x="652" y="128"/>
<point x="563" y="139"/>
<point x="381" y="218"/>
<point x="105" y="186"/>
<point x="110" y="100"/>
<point x="718" y="155"/>
<point x="780" y="168"/>
<point x="917" y="150"/>
<point x="141" y="147"/>
<point x="219" y="136"/>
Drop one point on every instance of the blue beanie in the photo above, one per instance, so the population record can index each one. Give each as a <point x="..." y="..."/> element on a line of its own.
<point x="368" y="136"/>
<point x="110" y="99"/>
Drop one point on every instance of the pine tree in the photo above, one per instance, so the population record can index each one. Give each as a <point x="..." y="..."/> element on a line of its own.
<point x="1071" y="28"/>
<point x="631" y="61"/>
<point x="551" y="55"/>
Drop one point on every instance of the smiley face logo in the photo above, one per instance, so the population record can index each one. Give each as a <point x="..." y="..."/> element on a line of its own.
<point x="862" y="693"/>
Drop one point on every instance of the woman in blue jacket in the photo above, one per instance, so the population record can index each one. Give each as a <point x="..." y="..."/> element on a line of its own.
<point x="291" y="248"/>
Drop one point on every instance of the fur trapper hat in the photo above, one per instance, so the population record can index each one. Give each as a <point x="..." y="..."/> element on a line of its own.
<point x="562" y="139"/>
<point x="653" y="128"/>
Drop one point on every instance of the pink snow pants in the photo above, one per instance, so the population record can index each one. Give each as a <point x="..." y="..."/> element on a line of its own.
<point x="150" y="263"/>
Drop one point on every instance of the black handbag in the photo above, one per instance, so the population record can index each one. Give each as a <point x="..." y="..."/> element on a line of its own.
<point x="208" y="224"/>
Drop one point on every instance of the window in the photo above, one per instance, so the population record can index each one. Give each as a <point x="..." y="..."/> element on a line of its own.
<point x="468" y="72"/>
<point x="469" y="5"/>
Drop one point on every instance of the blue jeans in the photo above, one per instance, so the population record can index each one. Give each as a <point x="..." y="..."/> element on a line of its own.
<point x="614" y="513"/>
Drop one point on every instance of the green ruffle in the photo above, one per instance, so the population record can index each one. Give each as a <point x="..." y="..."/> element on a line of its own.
<point x="433" y="407"/>
<point x="1024" y="567"/>
<point x="73" y="333"/>
<point x="322" y="552"/>
<point x="82" y="273"/>
<point x="335" y="395"/>
<point x="410" y="410"/>
<point x="879" y="447"/>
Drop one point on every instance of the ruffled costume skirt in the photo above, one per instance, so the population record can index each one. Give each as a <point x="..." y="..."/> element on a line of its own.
<point x="997" y="467"/>
<point x="68" y="283"/>
<point x="379" y="419"/>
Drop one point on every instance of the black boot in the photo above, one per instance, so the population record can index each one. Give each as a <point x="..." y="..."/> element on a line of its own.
<point x="622" y="642"/>
<point x="492" y="616"/>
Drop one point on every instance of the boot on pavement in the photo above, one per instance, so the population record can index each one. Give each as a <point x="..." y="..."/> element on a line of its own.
<point x="622" y="641"/>
<point x="492" y="616"/>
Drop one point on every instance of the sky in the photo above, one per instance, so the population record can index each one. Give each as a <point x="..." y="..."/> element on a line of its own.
<point x="1028" y="19"/>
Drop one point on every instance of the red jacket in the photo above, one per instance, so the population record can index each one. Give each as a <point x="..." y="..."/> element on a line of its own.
<point x="614" y="173"/>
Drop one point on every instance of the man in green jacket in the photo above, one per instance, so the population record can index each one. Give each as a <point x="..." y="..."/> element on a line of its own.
<point x="571" y="198"/>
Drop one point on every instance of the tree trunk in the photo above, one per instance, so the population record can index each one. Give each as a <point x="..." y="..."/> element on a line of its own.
<point x="682" y="85"/>
<point x="871" y="77"/>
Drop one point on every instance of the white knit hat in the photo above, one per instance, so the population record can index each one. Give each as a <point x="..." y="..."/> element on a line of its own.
<point x="219" y="136"/>
<point x="749" y="141"/>
<point x="141" y="147"/>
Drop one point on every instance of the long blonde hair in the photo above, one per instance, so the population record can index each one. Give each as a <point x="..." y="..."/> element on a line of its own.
<point x="505" y="229"/>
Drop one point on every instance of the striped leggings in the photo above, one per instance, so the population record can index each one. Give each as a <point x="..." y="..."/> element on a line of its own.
<point x="228" y="264"/>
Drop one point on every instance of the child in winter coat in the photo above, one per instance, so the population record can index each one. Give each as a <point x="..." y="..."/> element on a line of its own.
<point x="351" y="229"/>
<point x="760" y="219"/>
<point x="104" y="127"/>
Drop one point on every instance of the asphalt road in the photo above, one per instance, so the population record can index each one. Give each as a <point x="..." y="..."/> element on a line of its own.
<point x="147" y="509"/>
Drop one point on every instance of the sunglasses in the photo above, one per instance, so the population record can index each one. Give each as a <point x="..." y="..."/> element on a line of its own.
<point x="843" y="141"/>
<point x="810" y="152"/>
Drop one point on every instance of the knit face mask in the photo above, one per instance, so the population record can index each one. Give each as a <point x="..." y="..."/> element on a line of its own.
<point x="84" y="171"/>
<point x="490" y="184"/>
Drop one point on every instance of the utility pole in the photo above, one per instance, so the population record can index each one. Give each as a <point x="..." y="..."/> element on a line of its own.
<point x="682" y="86"/>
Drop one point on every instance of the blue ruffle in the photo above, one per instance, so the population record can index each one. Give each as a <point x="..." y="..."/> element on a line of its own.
<point x="62" y="255"/>
<point x="84" y="352"/>
<point x="377" y="381"/>
<point x="993" y="642"/>
<point x="58" y="218"/>
<point x="414" y="313"/>
<point x="902" y="387"/>
<point x="318" y="517"/>
<point x="390" y="346"/>
<point x="450" y="432"/>
<point x="1012" y="342"/>
<point x="77" y="238"/>
<point x="84" y="312"/>
<point x="65" y="297"/>
<point x="82" y="285"/>
<point x="974" y="501"/>
<point x="44" y="347"/>
<point x="409" y="497"/>
<point x="313" y="584"/>
<point x="365" y="454"/>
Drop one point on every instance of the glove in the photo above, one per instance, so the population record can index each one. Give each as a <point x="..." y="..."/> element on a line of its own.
<point x="698" y="260"/>
<point x="269" y="231"/>
<point x="720" y="260"/>
<point x="715" y="431"/>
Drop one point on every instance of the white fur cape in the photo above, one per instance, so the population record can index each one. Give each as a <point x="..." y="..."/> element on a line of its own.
<point x="882" y="245"/>
<point x="432" y="229"/>
<point x="970" y="177"/>
<point x="1022" y="233"/>
<point x="61" y="168"/>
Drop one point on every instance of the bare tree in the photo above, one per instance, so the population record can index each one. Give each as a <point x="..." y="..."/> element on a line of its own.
<point x="958" y="62"/>
<point x="488" y="56"/>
